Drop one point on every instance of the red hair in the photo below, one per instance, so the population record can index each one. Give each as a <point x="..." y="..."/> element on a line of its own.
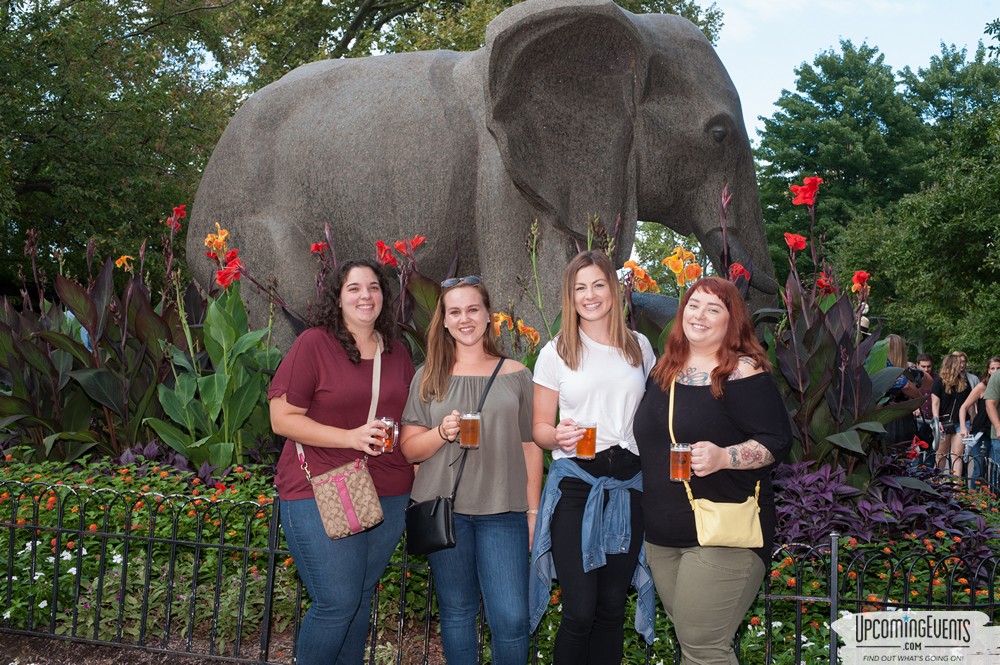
<point x="739" y="342"/>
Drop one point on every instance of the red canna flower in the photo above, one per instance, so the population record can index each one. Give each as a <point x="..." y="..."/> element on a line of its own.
<point x="794" y="241"/>
<point x="212" y="256"/>
<point x="319" y="248"/>
<point x="400" y="246"/>
<point x="825" y="284"/>
<point x="385" y="256"/>
<point x="232" y="272"/>
<point x="736" y="271"/>
<point x="417" y="241"/>
<point x="174" y="221"/>
<point x="805" y="194"/>
<point x="860" y="281"/>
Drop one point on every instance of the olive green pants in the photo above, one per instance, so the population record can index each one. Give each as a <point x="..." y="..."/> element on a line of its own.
<point x="706" y="592"/>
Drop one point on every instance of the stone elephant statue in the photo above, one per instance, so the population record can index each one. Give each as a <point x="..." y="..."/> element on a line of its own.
<point x="573" y="108"/>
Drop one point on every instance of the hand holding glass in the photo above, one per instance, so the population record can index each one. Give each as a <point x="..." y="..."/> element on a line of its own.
<point x="391" y="434"/>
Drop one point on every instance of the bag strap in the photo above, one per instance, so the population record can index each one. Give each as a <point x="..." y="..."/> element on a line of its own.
<point x="482" y="401"/>
<point x="376" y="383"/>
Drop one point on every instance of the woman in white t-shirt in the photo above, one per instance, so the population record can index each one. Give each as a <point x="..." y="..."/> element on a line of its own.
<point x="594" y="371"/>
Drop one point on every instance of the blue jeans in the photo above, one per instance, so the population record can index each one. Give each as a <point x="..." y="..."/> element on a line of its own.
<point x="340" y="576"/>
<point x="490" y="557"/>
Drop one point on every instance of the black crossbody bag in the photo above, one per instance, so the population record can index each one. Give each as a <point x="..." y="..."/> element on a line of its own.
<point x="430" y="525"/>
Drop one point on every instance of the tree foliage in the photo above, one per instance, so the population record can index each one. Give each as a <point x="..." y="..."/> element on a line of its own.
<point x="934" y="255"/>
<point x="847" y="122"/>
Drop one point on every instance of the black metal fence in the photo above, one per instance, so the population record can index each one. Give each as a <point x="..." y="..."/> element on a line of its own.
<point x="211" y="577"/>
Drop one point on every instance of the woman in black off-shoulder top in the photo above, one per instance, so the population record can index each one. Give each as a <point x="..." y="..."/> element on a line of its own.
<point x="728" y="407"/>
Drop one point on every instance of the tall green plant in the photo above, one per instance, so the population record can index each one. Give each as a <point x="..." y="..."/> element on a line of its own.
<point x="217" y="400"/>
<point x="832" y="373"/>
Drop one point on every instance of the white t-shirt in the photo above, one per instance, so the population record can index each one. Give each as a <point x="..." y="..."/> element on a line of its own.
<point x="605" y="388"/>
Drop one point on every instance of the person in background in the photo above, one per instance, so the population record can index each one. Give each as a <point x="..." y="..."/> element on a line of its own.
<point x="949" y="392"/>
<point x="497" y="499"/>
<point x="992" y="397"/>
<point x="978" y="423"/>
<point x="903" y="429"/>
<point x="725" y="403"/>
<point x="971" y="378"/>
<point x="594" y="370"/>
<point x="320" y="397"/>
<point x="925" y="415"/>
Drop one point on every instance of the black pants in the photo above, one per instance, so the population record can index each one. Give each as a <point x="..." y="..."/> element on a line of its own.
<point x="593" y="604"/>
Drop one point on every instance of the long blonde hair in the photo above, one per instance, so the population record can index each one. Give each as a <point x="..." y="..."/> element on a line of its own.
<point x="570" y="345"/>
<point x="441" y="346"/>
<point x="952" y="377"/>
<point x="897" y="350"/>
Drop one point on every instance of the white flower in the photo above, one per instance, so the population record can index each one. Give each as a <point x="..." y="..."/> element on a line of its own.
<point x="71" y="571"/>
<point x="776" y="624"/>
<point x="43" y="604"/>
<point x="39" y="575"/>
<point x="50" y="559"/>
<point x="66" y="555"/>
<point x="6" y="615"/>
<point x="117" y="558"/>
<point x="13" y="578"/>
<point x="83" y="551"/>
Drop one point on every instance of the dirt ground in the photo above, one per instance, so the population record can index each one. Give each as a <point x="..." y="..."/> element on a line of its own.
<point x="24" y="650"/>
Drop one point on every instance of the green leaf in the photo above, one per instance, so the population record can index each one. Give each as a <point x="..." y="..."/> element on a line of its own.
<point x="220" y="333"/>
<point x="78" y="301"/>
<point x="77" y="410"/>
<point x="212" y="389"/>
<point x="848" y="440"/>
<point x="242" y="403"/>
<point x="171" y="436"/>
<point x="103" y="387"/>
<point x="87" y="437"/>
<point x="175" y="406"/>
<point x="247" y="342"/>
<point x="69" y="345"/>
<point x="425" y="294"/>
<point x="102" y="294"/>
<point x="221" y="454"/>
<point x="871" y="426"/>
<point x="35" y="357"/>
<point x="878" y="357"/>
<point x="181" y="358"/>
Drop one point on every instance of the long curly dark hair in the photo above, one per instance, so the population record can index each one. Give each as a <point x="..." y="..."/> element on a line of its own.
<point x="331" y="317"/>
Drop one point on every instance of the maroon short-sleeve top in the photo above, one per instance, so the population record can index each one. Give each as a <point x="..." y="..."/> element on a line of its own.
<point x="317" y="375"/>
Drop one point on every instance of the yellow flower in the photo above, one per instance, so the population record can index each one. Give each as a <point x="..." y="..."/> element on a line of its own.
<point x="641" y="280"/>
<point x="217" y="241"/>
<point x="528" y="333"/>
<point x="499" y="319"/>
<point x="123" y="262"/>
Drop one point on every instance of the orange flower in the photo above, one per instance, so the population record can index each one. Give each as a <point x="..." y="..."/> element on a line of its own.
<point x="528" y="333"/>
<point x="499" y="320"/>
<point x="217" y="241"/>
<point x="123" y="262"/>
<point x="692" y="272"/>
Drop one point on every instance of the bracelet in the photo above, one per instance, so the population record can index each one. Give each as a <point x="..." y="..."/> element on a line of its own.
<point x="533" y="511"/>
<point x="441" y="434"/>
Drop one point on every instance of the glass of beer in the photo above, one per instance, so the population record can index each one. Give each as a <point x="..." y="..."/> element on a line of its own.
<point x="680" y="462"/>
<point x="586" y="448"/>
<point x="391" y="434"/>
<point x="468" y="430"/>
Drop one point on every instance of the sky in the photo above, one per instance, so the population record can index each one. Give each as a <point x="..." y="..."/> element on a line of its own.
<point x="763" y="41"/>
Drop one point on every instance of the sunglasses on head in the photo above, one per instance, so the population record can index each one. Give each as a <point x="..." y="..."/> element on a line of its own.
<point x="471" y="280"/>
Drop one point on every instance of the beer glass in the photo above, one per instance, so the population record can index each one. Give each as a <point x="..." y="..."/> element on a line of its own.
<point x="468" y="432"/>
<point x="680" y="462"/>
<point x="586" y="449"/>
<point x="391" y="434"/>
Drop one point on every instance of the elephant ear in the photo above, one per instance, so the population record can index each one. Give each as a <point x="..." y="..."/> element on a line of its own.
<point x="561" y="98"/>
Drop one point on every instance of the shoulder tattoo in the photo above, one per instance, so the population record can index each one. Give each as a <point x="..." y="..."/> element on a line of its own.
<point x="746" y="363"/>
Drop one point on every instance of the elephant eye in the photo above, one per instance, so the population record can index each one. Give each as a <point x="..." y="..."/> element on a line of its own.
<point x="719" y="133"/>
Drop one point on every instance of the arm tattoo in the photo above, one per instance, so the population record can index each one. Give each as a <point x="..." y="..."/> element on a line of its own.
<point x="749" y="454"/>
<point x="692" y="377"/>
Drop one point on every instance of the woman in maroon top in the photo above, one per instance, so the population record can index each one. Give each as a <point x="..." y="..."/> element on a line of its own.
<point x="320" y="397"/>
